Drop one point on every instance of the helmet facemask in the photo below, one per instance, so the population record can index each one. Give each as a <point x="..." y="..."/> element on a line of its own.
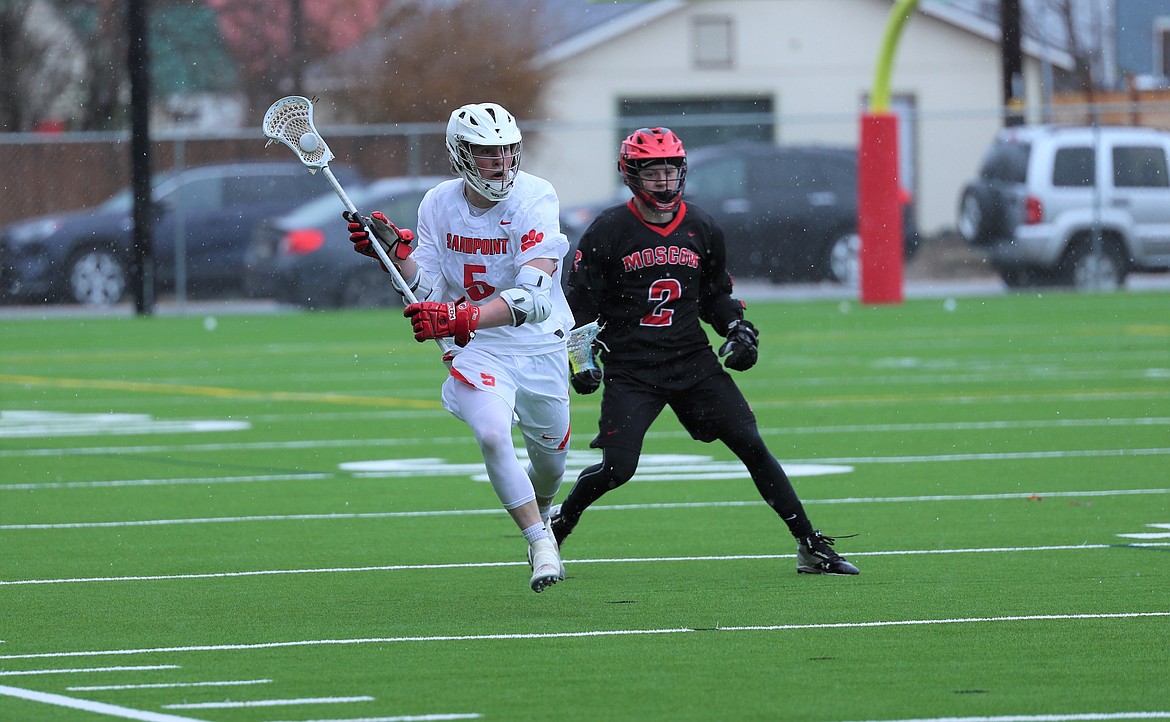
<point x="483" y="144"/>
<point x="666" y="178"/>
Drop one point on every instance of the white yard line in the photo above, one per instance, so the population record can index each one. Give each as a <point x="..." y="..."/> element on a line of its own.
<point x="599" y="507"/>
<point x="228" y="647"/>
<point x="768" y="431"/>
<point x="628" y="560"/>
<point x="167" y="685"/>
<point x="33" y="672"/>
<point x="702" y="468"/>
<point x="269" y="703"/>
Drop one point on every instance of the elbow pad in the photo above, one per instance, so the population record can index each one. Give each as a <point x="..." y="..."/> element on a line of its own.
<point x="419" y="284"/>
<point x="531" y="300"/>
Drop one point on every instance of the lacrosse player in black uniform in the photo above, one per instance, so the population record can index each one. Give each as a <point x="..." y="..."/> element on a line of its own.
<point x="648" y="272"/>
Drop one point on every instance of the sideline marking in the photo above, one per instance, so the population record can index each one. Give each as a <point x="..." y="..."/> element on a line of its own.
<point x="52" y="424"/>
<point x="233" y="446"/>
<point x="166" y="685"/>
<point x="432" y="717"/>
<point x="165" y="482"/>
<point x="85" y="705"/>
<point x="1075" y="717"/>
<point x="587" y="634"/>
<point x="213" y="391"/>
<point x="26" y="672"/>
<point x="269" y="703"/>
<point x="611" y="507"/>
<point x="628" y="560"/>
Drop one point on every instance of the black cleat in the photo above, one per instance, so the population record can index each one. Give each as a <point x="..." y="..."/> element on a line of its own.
<point x="558" y="525"/>
<point x="815" y="555"/>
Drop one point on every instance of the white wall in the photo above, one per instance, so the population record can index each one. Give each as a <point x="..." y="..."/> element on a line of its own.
<point x="815" y="57"/>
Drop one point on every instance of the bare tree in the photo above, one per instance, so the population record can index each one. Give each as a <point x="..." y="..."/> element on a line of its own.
<point x="273" y="41"/>
<point x="424" y="59"/>
<point x="1082" y="28"/>
<point x="37" y="68"/>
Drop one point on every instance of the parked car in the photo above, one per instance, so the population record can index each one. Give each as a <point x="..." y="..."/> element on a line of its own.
<point x="305" y="258"/>
<point x="1075" y="206"/>
<point x="788" y="213"/>
<point x="203" y="217"/>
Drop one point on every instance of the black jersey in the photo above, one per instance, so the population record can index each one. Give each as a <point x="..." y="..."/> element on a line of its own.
<point x="650" y="285"/>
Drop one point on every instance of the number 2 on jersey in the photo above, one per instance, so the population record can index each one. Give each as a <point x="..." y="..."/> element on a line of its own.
<point x="662" y="292"/>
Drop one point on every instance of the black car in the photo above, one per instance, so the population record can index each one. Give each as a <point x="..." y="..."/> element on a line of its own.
<point x="203" y="218"/>
<point x="788" y="213"/>
<point x="305" y="258"/>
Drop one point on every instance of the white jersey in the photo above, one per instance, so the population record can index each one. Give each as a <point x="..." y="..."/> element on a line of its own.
<point x="477" y="254"/>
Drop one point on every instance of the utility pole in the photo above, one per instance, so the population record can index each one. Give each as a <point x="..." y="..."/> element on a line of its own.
<point x="138" y="59"/>
<point x="1013" y="62"/>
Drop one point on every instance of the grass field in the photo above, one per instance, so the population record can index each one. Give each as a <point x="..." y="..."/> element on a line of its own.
<point x="269" y="517"/>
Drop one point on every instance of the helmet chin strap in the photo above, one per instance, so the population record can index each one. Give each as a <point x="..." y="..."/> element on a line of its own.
<point x="650" y="214"/>
<point x="667" y="197"/>
<point x="653" y="201"/>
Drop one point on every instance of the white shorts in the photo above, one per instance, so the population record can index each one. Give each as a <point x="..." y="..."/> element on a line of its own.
<point x="535" y="387"/>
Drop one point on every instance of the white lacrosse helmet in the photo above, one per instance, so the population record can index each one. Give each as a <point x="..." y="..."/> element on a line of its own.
<point x="484" y="124"/>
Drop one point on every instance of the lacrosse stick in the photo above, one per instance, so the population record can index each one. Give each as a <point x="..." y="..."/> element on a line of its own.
<point x="580" y="347"/>
<point x="290" y="121"/>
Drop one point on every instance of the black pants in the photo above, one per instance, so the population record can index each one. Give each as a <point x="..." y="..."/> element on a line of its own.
<point x="709" y="405"/>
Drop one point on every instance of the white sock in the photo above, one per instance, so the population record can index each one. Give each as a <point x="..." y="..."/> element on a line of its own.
<point x="545" y="513"/>
<point x="535" y="533"/>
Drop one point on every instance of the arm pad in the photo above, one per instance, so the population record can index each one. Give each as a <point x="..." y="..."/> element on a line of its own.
<point x="419" y="284"/>
<point x="531" y="300"/>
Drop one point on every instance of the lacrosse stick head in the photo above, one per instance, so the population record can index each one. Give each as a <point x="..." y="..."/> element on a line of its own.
<point x="580" y="347"/>
<point x="290" y="121"/>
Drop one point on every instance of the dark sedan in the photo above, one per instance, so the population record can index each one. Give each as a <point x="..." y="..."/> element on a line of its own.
<point x="788" y="213"/>
<point x="203" y="218"/>
<point x="305" y="258"/>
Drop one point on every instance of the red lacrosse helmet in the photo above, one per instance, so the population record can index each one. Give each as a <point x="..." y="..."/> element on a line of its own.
<point x="647" y="147"/>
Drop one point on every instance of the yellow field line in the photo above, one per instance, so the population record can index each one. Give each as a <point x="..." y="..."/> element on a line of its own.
<point x="148" y="387"/>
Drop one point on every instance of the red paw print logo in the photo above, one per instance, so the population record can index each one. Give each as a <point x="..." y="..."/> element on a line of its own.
<point x="530" y="239"/>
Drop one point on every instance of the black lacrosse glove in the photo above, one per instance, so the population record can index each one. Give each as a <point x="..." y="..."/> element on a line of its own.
<point x="741" y="347"/>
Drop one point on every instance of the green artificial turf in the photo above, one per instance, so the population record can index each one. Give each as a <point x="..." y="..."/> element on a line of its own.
<point x="988" y="454"/>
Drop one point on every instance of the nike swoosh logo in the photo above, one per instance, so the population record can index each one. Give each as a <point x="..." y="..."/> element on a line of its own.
<point x="505" y="223"/>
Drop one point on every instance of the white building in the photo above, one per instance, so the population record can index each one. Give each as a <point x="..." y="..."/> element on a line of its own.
<point x="803" y="69"/>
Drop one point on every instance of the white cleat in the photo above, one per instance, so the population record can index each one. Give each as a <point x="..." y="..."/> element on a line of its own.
<point x="545" y="560"/>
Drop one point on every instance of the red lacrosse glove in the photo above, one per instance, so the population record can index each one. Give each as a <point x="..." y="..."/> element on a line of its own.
<point x="395" y="241"/>
<point x="456" y="319"/>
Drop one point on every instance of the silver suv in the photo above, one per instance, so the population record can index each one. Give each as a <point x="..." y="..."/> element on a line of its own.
<point x="1078" y="206"/>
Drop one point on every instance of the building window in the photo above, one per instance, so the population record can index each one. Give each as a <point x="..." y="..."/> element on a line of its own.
<point x="702" y="120"/>
<point x="1162" y="47"/>
<point x="711" y="42"/>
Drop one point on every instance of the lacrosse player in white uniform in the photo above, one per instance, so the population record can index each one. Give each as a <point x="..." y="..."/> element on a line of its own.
<point x="486" y="271"/>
